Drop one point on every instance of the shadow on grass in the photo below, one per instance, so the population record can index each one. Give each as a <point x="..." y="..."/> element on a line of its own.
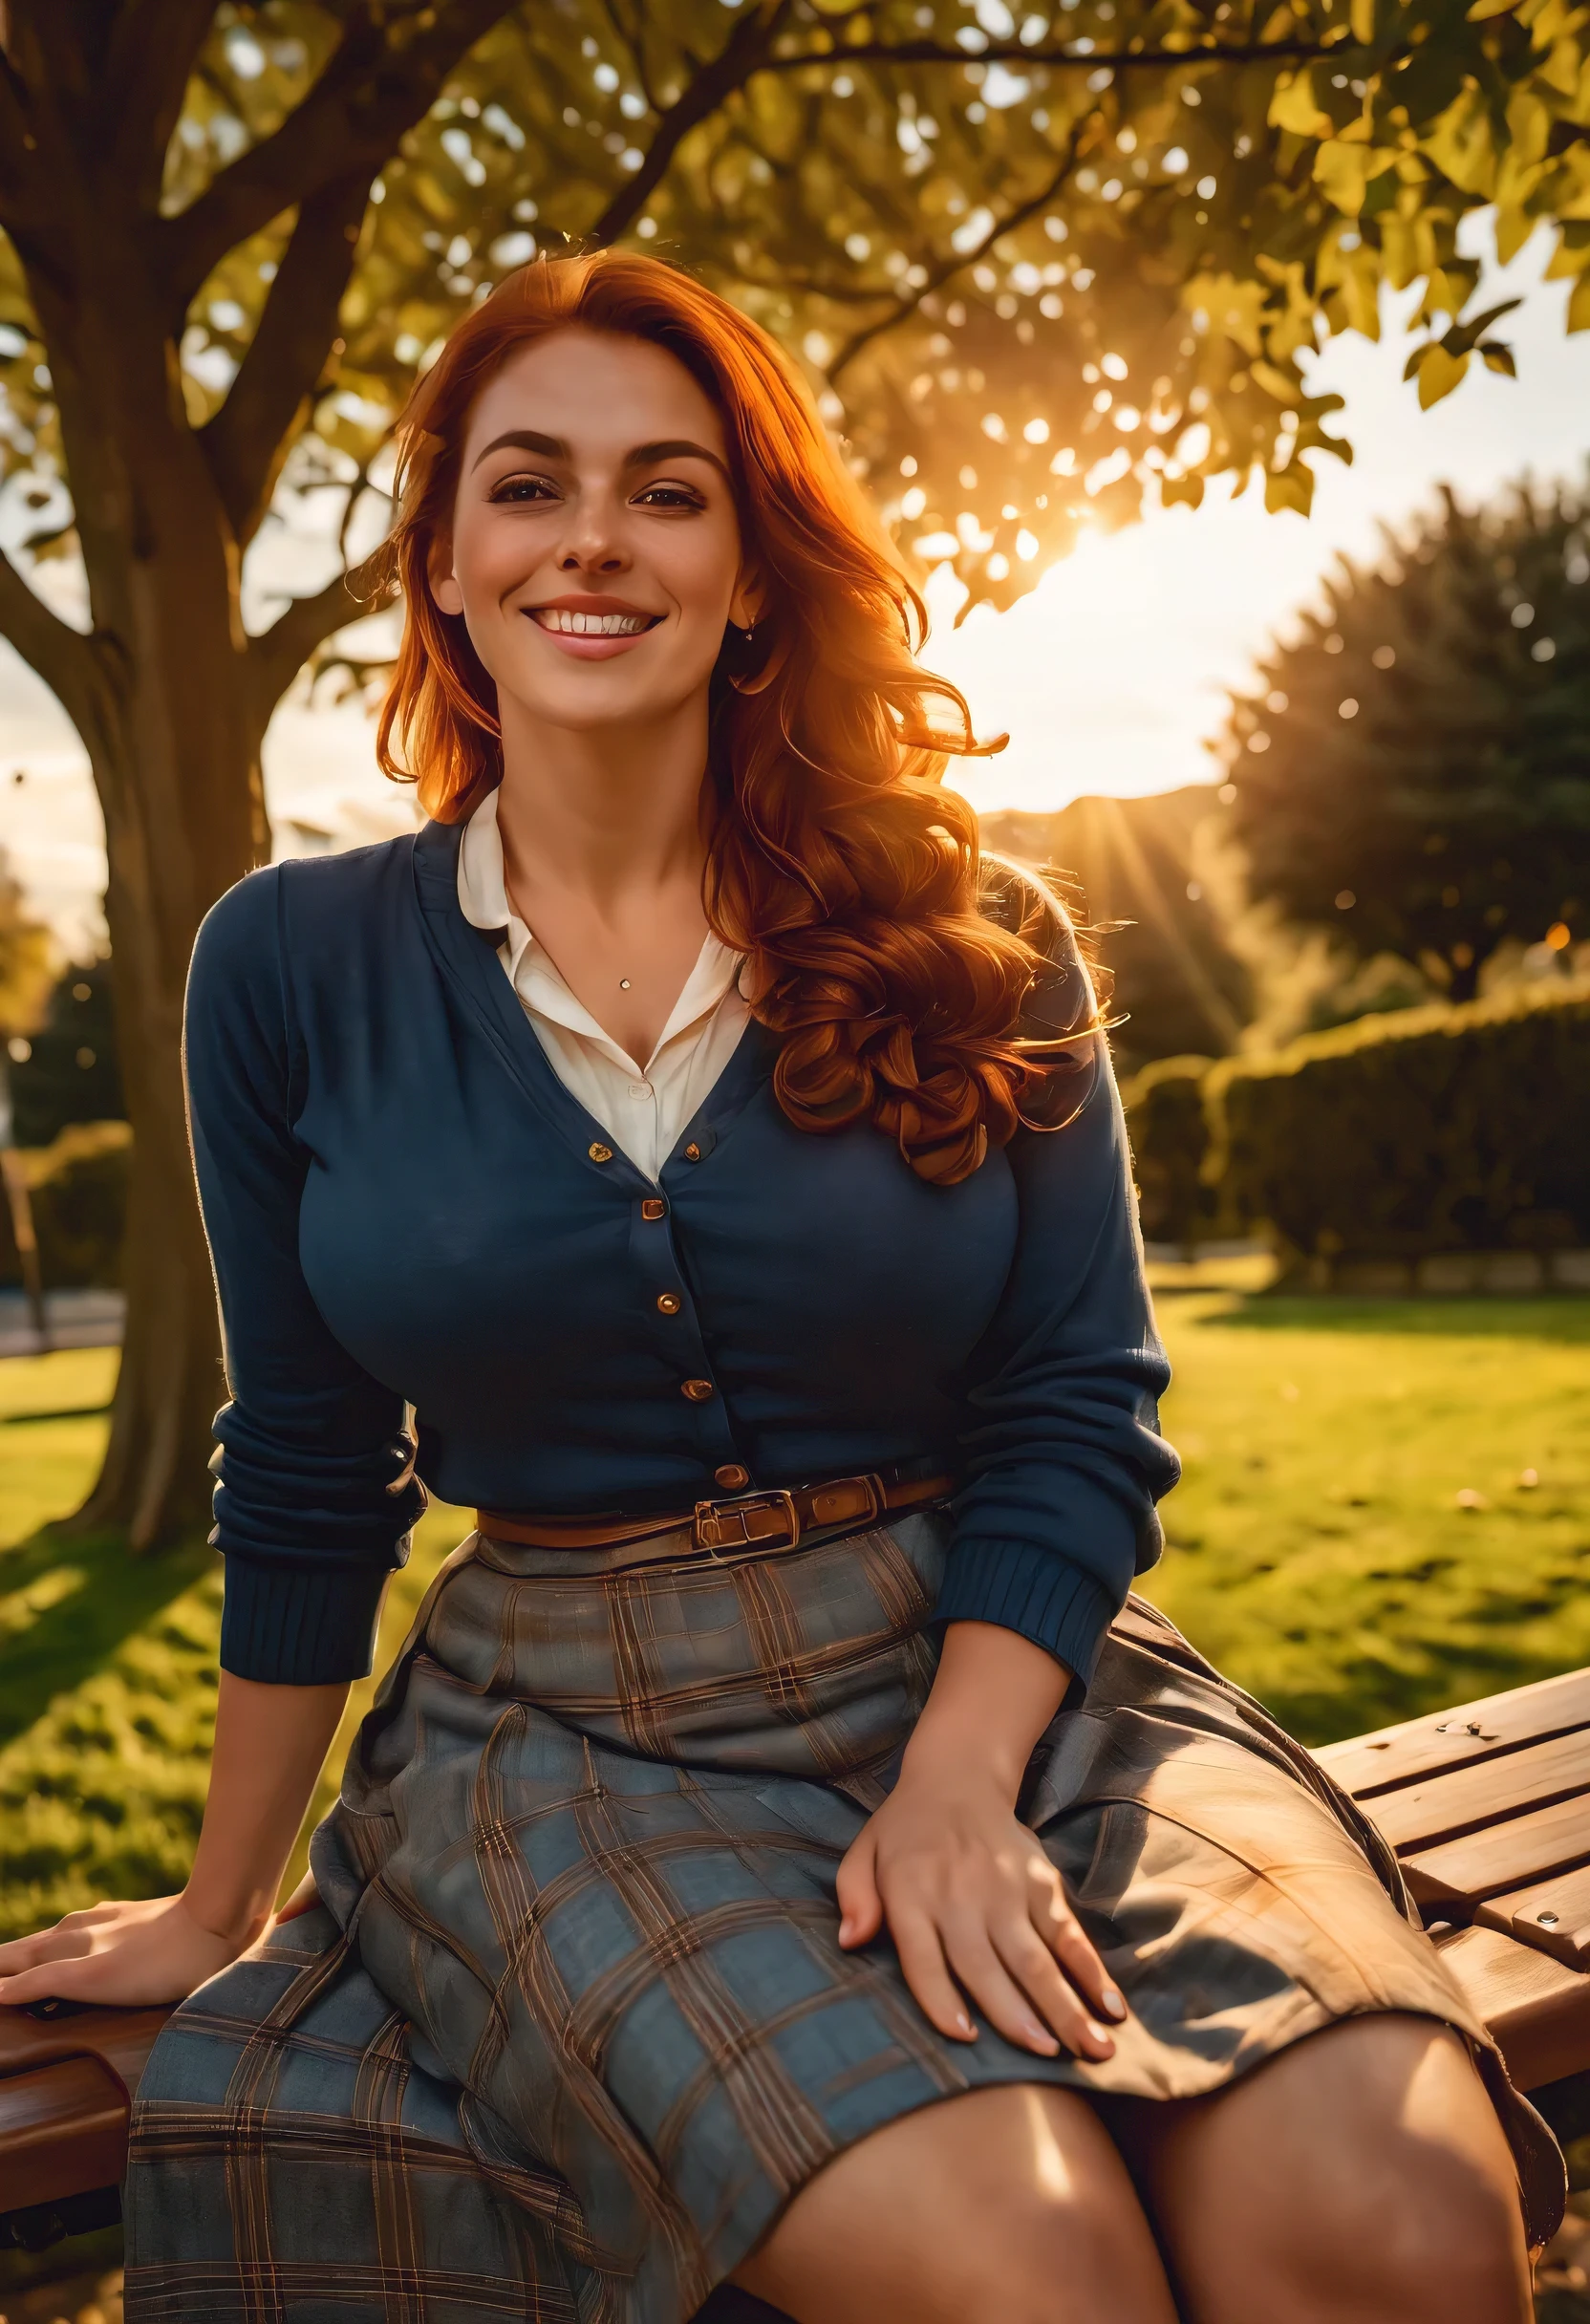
<point x="67" y="1602"/>
<point x="1360" y="1696"/>
<point x="1562" y="1322"/>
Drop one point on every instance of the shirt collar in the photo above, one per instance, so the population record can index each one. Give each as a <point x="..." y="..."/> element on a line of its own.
<point x="483" y="901"/>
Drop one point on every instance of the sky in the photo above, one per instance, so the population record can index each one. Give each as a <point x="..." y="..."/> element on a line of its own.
<point x="1110" y="676"/>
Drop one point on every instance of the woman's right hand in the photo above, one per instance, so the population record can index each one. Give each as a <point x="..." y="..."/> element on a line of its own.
<point x="123" y="1956"/>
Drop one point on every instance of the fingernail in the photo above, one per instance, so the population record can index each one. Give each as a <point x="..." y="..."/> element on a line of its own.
<point x="964" y="2025"/>
<point x="1115" y="2003"/>
<point x="1040" y="2037"/>
<point x="1102" y="2035"/>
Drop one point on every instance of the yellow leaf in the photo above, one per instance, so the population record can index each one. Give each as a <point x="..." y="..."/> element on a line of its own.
<point x="1293" y="107"/>
<point x="1345" y="171"/>
<point x="1276" y="383"/>
<point x="1514" y="228"/>
<point x="1579" y="305"/>
<point x="1293" y="488"/>
<point x="1482" y="9"/>
<point x="1439" y="373"/>
<point x="1361" y="16"/>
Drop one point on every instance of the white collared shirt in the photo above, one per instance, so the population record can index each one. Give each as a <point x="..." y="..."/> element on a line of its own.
<point x="643" y="1108"/>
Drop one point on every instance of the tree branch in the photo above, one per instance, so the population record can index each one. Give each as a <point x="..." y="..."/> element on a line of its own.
<point x="1044" y="52"/>
<point x="142" y="81"/>
<point x="748" y="51"/>
<point x="376" y="86"/>
<point x="940" y="274"/>
<point x="61" y="655"/>
<point x="247" y="441"/>
<point x="278" y="654"/>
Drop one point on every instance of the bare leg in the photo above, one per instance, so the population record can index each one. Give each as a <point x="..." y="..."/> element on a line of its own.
<point x="1002" y="2206"/>
<point x="1361" y="2177"/>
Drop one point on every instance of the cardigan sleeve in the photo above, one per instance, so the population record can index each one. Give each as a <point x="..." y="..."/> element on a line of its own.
<point x="316" y="1494"/>
<point x="1062" y="1457"/>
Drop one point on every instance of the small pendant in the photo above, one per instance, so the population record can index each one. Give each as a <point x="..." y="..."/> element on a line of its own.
<point x="623" y="984"/>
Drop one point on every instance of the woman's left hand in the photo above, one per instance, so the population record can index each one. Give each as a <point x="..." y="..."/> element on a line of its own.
<point x="976" y="1908"/>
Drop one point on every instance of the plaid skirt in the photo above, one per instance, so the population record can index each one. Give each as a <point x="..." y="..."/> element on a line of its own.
<point x="571" y="2023"/>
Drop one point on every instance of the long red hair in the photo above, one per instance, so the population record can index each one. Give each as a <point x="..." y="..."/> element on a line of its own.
<point x="836" y="864"/>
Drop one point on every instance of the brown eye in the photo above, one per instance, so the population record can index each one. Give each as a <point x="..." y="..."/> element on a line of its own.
<point x="522" y="489"/>
<point x="670" y="495"/>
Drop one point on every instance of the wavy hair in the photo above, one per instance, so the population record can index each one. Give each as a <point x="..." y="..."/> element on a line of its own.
<point x="836" y="864"/>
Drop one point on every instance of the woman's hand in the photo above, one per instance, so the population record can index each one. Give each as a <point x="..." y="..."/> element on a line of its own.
<point x="128" y="1956"/>
<point x="973" y="1905"/>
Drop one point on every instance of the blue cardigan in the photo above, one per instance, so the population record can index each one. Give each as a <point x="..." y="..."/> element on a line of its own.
<point x="406" y="1208"/>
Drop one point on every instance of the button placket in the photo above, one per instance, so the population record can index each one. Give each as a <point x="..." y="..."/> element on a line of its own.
<point x="683" y="1346"/>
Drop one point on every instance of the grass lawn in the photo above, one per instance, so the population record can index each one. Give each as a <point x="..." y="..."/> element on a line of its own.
<point x="1355" y="1540"/>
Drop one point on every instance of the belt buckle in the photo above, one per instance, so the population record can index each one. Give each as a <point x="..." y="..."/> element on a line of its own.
<point x="724" y="1526"/>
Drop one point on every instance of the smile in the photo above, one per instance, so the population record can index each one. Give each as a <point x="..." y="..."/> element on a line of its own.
<point x="564" y="623"/>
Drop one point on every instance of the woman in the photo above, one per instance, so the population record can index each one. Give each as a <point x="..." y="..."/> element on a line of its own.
<point x="780" y="1857"/>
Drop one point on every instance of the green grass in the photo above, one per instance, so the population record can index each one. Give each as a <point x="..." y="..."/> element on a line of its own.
<point x="1318" y="1547"/>
<point x="1318" y="1551"/>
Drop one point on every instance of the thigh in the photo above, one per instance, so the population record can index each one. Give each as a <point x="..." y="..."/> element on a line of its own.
<point x="1005" y="2206"/>
<point x="1361" y="2174"/>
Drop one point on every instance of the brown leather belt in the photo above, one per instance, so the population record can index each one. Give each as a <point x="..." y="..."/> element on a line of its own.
<point x="746" y="1521"/>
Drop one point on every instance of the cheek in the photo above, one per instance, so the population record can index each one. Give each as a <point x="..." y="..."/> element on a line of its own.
<point x="699" y="570"/>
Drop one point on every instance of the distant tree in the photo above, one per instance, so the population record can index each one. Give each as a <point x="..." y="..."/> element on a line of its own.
<point x="69" y="1071"/>
<point x="1413" y="773"/>
<point x="1037" y="264"/>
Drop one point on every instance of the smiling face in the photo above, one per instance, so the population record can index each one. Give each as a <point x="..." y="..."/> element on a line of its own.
<point x="595" y="552"/>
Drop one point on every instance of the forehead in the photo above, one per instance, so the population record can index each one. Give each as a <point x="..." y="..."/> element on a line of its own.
<point x="597" y="389"/>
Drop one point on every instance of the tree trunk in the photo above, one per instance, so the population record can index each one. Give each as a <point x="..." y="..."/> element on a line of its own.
<point x="173" y="732"/>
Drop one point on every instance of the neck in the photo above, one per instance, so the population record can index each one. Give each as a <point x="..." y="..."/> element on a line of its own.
<point x="606" y="814"/>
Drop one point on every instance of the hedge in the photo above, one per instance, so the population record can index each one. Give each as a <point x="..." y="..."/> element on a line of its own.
<point x="77" y="1186"/>
<point x="1404" y="1135"/>
<point x="1169" y="1140"/>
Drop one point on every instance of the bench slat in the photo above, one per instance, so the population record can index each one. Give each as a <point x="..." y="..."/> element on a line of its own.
<point x="1538" y="2009"/>
<point x="1420" y="1815"/>
<point x="63" y="2131"/>
<point x="1392" y="1755"/>
<point x="1551" y="1915"/>
<point x="1503" y="1856"/>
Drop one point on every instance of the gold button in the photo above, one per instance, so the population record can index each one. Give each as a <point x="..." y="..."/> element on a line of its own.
<point x="599" y="1152"/>
<point x="732" y="1476"/>
<point x="697" y="1391"/>
<point x="654" y="1207"/>
<point x="669" y="1303"/>
<point x="693" y="1152"/>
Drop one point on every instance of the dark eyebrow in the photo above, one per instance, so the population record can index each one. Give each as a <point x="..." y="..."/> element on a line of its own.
<point x="644" y="455"/>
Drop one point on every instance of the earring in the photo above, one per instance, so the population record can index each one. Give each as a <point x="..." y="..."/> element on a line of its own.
<point x="748" y="631"/>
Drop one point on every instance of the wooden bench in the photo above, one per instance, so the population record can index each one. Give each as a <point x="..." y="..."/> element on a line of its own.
<point x="1487" y="1805"/>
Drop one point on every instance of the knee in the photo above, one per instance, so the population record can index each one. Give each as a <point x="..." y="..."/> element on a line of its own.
<point x="1424" y="2239"/>
<point x="1061" y="2255"/>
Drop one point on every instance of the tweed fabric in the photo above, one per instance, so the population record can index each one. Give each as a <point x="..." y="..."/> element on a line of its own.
<point x="571" y="2023"/>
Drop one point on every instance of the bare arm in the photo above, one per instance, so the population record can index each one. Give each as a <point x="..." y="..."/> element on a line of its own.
<point x="973" y="1904"/>
<point x="270" y="1744"/>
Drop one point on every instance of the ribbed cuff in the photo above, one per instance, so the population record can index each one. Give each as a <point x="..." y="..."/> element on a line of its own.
<point x="1033" y="1592"/>
<point x="299" y="1625"/>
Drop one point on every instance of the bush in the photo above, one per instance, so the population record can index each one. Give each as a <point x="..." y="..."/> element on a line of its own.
<point x="78" y="1190"/>
<point x="1430" y="1131"/>
<point x="1170" y="1141"/>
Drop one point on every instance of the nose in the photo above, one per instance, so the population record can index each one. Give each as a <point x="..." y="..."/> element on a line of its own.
<point x="593" y="542"/>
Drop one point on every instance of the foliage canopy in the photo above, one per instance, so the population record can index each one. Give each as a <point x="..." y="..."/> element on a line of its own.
<point x="1036" y="263"/>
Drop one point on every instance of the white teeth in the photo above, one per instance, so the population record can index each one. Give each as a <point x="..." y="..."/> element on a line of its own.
<point x="591" y="625"/>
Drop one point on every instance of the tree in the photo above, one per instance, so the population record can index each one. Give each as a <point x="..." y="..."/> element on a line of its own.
<point x="1415" y="772"/>
<point x="1036" y="267"/>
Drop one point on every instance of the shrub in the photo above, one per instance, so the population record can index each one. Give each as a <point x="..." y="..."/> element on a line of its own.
<point x="1433" y="1130"/>
<point x="1169" y="1140"/>
<point x="77" y="1186"/>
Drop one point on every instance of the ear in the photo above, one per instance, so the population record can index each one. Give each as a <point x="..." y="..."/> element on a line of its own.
<point x="749" y="602"/>
<point x="438" y="572"/>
